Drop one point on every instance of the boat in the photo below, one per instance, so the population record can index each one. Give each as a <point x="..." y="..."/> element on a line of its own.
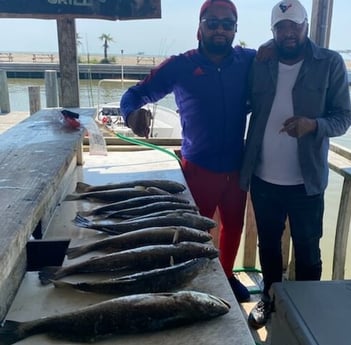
<point x="165" y="122"/>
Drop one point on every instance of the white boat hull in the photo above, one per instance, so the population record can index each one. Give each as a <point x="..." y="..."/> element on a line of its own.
<point x="165" y="121"/>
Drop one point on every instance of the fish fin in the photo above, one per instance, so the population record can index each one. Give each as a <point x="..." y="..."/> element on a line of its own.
<point x="82" y="187"/>
<point x="10" y="333"/>
<point x="84" y="213"/>
<point x="137" y="187"/>
<point x="61" y="284"/>
<point x="47" y="274"/>
<point x="73" y="252"/>
<point x="72" y="197"/>
<point x="156" y="190"/>
<point x="81" y="221"/>
<point x="171" y="261"/>
<point x="176" y="237"/>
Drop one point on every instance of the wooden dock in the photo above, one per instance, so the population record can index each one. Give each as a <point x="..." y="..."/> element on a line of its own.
<point x="40" y="161"/>
<point x="339" y="161"/>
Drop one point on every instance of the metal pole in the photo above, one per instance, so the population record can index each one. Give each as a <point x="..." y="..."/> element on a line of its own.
<point x="122" y="68"/>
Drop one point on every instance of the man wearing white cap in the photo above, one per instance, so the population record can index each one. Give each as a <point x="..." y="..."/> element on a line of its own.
<point x="299" y="100"/>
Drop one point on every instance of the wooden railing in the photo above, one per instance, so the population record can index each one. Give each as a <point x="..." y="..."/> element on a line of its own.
<point x="43" y="57"/>
<point x="339" y="162"/>
<point x="6" y="57"/>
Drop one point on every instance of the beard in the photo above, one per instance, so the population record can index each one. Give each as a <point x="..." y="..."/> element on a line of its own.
<point x="291" y="53"/>
<point x="217" y="48"/>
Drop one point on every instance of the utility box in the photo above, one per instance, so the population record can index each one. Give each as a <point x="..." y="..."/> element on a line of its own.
<point x="311" y="313"/>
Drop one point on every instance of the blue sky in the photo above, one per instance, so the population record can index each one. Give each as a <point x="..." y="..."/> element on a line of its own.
<point x="174" y="33"/>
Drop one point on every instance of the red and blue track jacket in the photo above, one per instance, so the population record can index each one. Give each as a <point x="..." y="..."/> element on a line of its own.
<point x="212" y="103"/>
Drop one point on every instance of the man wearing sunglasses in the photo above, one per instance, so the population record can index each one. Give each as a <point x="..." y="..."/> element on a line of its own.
<point x="210" y="88"/>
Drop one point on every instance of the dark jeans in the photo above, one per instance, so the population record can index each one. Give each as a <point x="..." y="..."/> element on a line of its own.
<point x="272" y="205"/>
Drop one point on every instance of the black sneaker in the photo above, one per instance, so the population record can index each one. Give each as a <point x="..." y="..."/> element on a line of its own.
<point x="260" y="314"/>
<point x="241" y="293"/>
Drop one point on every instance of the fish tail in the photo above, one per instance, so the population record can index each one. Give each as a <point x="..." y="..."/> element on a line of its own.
<point x="82" y="187"/>
<point x="72" y="197"/>
<point x="10" y="333"/>
<point x="74" y="252"/>
<point x="176" y="237"/>
<point x="61" y="284"/>
<point x="47" y="274"/>
<point x="81" y="221"/>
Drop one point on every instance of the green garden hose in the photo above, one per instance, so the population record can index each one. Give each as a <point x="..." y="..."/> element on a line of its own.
<point x="146" y="144"/>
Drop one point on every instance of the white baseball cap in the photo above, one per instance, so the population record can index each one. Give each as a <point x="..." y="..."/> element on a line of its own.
<point x="288" y="10"/>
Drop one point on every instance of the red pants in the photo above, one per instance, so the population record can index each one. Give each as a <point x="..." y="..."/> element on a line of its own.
<point x="219" y="190"/>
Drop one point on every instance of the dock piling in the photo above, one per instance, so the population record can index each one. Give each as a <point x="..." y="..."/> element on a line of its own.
<point x="51" y="88"/>
<point x="34" y="99"/>
<point x="4" y="93"/>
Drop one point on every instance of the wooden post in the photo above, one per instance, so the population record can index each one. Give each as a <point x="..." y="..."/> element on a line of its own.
<point x="250" y="236"/>
<point x="4" y="93"/>
<point x="342" y="231"/>
<point x="66" y="30"/>
<point x="51" y="89"/>
<point x="321" y="22"/>
<point x="34" y="99"/>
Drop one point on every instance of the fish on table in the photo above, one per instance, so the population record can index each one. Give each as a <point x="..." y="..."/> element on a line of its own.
<point x="182" y="218"/>
<point x="141" y="258"/>
<point x="114" y="195"/>
<point x="142" y="237"/>
<point x="123" y="315"/>
<point x="134" y="202"/>
<point x="166" y="185"/>
<point x="165" y="279"/>
<point x="151" y="208"/>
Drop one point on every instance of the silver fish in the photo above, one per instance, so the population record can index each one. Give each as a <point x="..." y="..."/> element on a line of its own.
<point x="167" y="185"/>
<point x="170" y="278"/>
<point x="146" y="257"/>
<point x="179" y="219"/>
<point x="151" y="208"/>
<point x="114" y="195"/>
<point x="142" y="237"/>
<point x="129" y="314"/>
<point x="134" y="202"/>
<point x="174" y="212"/>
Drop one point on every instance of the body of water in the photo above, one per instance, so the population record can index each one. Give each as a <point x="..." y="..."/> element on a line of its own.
<point x="91" y="95"/>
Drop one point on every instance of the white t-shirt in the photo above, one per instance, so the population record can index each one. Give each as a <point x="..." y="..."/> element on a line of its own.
<point x="279" y="163"/>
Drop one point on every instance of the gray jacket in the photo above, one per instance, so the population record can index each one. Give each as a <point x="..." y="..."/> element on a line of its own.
<point x="321" y="91"/>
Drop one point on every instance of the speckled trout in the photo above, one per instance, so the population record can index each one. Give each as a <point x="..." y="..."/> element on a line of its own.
<point x="114" y="195"/>
<point x="167" y="185"/>
<point x="142" y="237"/>
<point x="133" y="202"/>
<point x="129" y="314"/>
<point x="146" y="210"/>
<point x="142" y="258"/>
<point x="181" y="218"/>
<point x="165" y="279"/>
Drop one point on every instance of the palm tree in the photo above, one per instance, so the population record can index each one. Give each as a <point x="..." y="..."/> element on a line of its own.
<point x="242" y="44"/>
<point x="106" y="38"/>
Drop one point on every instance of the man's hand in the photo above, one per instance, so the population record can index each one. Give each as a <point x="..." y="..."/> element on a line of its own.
<point x="298" y="126"/>
<point x="139" y="121"/>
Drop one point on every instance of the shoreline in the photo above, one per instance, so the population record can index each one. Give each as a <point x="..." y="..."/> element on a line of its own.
<point x="131" y="60"/>
<point x="46" y="57"/>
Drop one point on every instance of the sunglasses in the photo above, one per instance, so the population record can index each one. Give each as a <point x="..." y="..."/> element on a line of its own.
<point x="214" y="23"/>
